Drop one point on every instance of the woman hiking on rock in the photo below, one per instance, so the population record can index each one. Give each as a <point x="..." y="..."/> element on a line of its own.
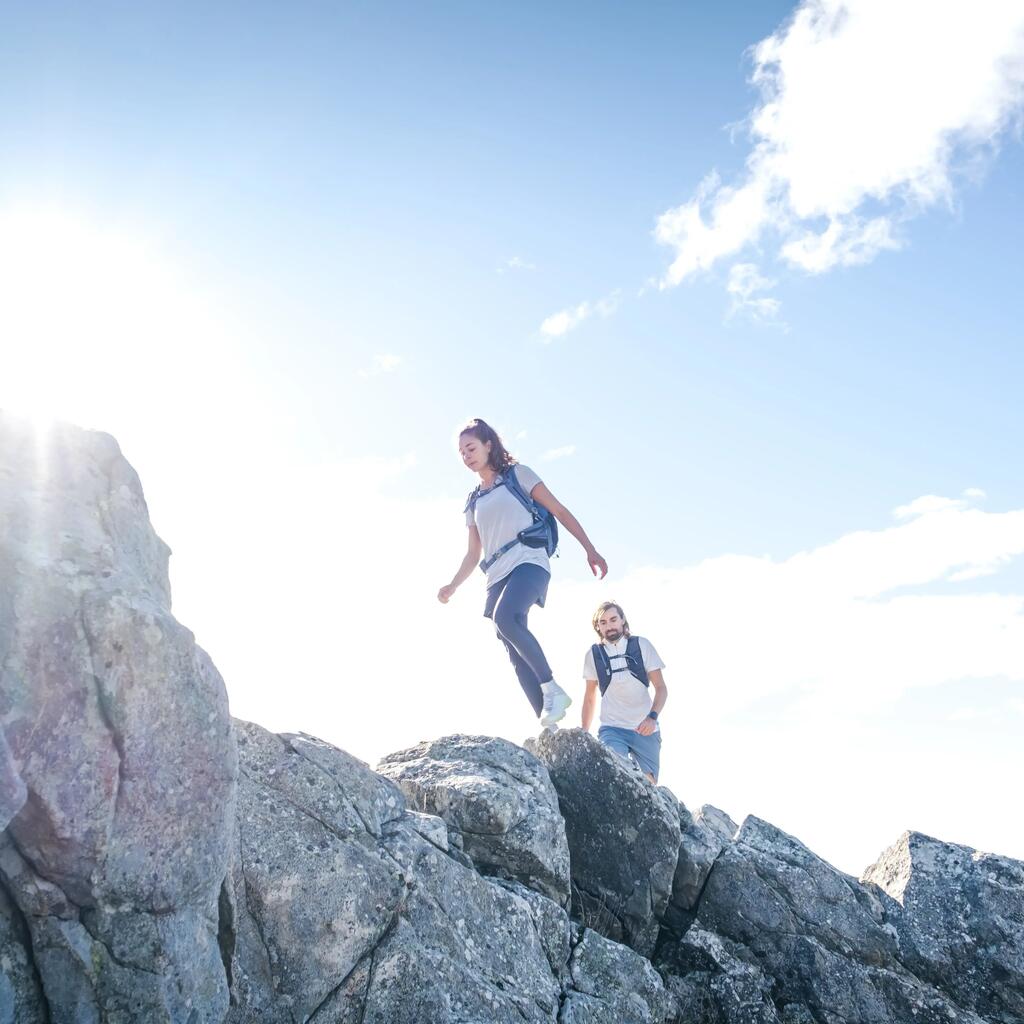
<point x="505" y="518"/>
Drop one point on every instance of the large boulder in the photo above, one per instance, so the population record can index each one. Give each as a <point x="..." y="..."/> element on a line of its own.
<point x="821" y="935"/>
<point x="623" y="837"/>
<point x="311" y="893"/>
<point x="961" y="920"/>
<point x="345" y="906"/>
<point x="464" y="948"/>
<point x="498" y="800"/>
<point x="118" y="765"/>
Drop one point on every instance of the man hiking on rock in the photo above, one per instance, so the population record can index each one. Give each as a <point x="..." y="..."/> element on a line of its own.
<point x="623" y="667"/>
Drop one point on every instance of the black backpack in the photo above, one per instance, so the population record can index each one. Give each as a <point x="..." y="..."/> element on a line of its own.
<point x="543" y="533"/>
<point x="634" y="662"/>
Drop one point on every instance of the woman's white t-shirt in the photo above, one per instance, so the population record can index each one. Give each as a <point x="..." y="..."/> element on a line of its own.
<point x="499" y="517"/>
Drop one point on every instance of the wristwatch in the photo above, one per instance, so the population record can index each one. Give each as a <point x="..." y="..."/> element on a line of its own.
<point x="652" y="714"/>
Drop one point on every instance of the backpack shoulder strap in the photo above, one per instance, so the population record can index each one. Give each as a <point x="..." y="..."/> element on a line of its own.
<point x="635" y="660"/>
<point x="472" y="500"/>
<point x="515" y="487"/>
<point x="602" y="666"/>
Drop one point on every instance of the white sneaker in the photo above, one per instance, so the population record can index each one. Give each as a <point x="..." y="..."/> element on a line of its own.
<point x="555" y="705"/>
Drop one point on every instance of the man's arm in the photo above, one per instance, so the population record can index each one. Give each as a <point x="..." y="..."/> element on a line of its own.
<point x="589" y="703"/>
<point x="646" y="727"/>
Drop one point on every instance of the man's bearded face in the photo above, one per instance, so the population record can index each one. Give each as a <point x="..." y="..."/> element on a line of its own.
<point x="610" y="625"/>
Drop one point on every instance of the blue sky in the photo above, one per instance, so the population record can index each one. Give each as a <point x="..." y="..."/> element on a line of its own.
<point x="288" y="249"/>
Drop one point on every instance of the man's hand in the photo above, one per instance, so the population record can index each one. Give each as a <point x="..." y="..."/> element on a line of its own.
<point x="596" y="562"/>
<point x="445" y="592"/>
<point x="647" y="727"/>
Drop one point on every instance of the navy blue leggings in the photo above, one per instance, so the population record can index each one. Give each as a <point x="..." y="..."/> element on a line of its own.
<point x="508" y="603"/>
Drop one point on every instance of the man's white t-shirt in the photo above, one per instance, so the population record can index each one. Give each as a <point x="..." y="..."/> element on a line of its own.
<point x="626" y="701"/>
<point x="500" y="517"/>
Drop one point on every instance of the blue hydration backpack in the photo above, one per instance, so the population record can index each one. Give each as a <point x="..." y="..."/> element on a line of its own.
<point x="634" y="662"/>
<point x="543" y="533"/>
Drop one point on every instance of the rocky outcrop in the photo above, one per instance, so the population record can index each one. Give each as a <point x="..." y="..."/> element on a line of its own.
<point x="623" y="837"/>
<point x="310" y="893"/>
<point x="498" y="802"/>
<point x="119" y="772"/>
<point x="347" y="906"/>
<point x="823" y="937"/>
<point x="161" y="863"/>
<point x="960" y="920"/>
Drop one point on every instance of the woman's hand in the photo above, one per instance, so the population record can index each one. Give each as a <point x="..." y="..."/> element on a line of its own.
<point x="646" y="727"/>
<point x="446" y="592"/>
<point x="596" y="562"/>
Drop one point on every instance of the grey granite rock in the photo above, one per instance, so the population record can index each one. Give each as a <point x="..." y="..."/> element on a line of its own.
<point x="550" y="921"/>
<point x="819" y="934"/>
<point x="612" y="984"/>
<point x="13" y="793"/>
<point x="500" y="800"/>
<point x="311" y="891"/>
<point x="960" y="920"/>
<point x="345" y="906"/>
<point x="718" y="982"/>
<point x="21" y="994"/>
<point x="120" y="765"/>
<point x="716" y="822"/>
<point x="704" y="835"/>
<point x="464" y="948"/>
<point x="623" y="837"/>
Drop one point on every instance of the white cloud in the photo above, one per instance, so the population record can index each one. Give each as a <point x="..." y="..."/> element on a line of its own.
<point x="975" y="492"/>
<point x="745" y="281"/>
<point x="561" y="323"/>
<point x="867" y="110"/>
<point x="565" y="320"/>
<point x="838" y="619"/>
<point x="517" y="263"/>
<point x="736" y="218"/>
<point x="925" y="504"/>
<point x="846" y="242"/>
<point x="384" y="362"/>
<point x="559" y="453"/>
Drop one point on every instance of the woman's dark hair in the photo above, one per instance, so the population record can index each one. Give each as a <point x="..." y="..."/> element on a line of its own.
<point x="499" y="458"/>
<point x="607" y="607"/>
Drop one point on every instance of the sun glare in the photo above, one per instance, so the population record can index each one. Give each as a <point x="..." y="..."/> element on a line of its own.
<point x="91" y="318"/>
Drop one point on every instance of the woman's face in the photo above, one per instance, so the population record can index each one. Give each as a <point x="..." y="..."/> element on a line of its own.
<point x="474" y="452"/>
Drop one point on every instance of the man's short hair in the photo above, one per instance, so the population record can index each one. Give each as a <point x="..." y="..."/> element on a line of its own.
<point x="606" y="607"/>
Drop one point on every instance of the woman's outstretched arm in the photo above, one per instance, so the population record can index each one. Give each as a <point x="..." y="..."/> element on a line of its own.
<point x="469" y="563"/>
<point x="541" y="495"/>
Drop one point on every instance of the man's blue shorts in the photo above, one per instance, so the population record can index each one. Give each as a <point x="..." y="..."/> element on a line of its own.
<point x="646" y="750"/>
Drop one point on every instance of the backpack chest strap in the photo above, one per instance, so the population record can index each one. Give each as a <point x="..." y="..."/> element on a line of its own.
<point x="631" y="661"/>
